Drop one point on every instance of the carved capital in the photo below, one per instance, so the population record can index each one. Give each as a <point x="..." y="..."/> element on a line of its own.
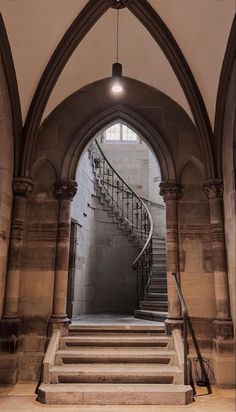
<point x="213" y="189"/>
<point x="170" y="190"/>
<point x="22" y="186"/>
<point x="65" y="189"/>
<point x="118" y="4"/>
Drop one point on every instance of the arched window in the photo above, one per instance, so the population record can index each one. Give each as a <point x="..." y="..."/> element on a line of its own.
<point x="119" y="132"/>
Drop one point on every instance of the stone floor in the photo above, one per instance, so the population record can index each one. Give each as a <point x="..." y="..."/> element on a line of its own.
<point x="107" y="318"/>
<point x="22" y="398"/>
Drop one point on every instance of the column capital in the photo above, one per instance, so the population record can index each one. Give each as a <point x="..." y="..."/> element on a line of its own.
<point x="170" y="190"/>
<point x="22" y="186"/>
<point x="213" y="189"/>
<point x="65" y="189"/>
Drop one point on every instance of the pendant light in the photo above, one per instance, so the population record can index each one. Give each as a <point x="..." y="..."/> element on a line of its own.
<point x="117" y="87"/>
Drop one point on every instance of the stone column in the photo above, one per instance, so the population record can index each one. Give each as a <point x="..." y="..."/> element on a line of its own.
<point x="214" y="192"/>
<point x="65" y="190"/>
<point x="22" y="188"/>
<point x="170" y="190"/>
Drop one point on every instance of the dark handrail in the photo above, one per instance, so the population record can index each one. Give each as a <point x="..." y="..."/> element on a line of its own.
<point x="187" y="322"/>
<point x="148" y="240"/>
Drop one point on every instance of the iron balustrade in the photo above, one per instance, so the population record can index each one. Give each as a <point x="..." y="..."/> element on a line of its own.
<point x="132" y="211"/>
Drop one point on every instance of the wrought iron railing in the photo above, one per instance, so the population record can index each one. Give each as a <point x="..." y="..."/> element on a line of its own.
<point x="132" y="212"/>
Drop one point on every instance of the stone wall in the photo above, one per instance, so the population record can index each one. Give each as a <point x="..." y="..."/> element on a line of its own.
<point x="229" y="173"/>
<point x="103" y="281"/>
<point x="137" y="165"/>
<point x="197" y="278"/>
<point x="6" y="176"/>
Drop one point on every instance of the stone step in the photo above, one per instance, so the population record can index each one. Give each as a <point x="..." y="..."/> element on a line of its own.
<point x="157" y="289"/>
<point x="153" y="315"/>
<point x="158" y="240"/>
<point x="153" y="305"/>
<point x="158" y="270"/>
<point x="104" y="328"/>
<point x="115" y="394"/>
<point x="115" y="373"/>
<point x="158" y="280"/>
<point x="161" y="275"/>
<point x="116" y="340"/>
<point x="163" y="297"/>
<point x="159" y="266"/>
<point x="159" y="259"/>
<point x="159" y="250"/>
<point x="116" y="355"/>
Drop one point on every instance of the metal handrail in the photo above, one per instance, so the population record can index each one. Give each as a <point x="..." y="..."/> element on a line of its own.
<point x="185" y="328"/>
<point x="187" y="323"/>
<point x="141" y="218"/>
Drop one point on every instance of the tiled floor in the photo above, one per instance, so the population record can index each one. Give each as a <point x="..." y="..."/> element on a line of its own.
<point x="22" y="398"/>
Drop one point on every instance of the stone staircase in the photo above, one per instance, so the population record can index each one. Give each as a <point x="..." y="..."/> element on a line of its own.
<point x="154" y="305"/>
<point x="114" y="365"/>
<point x="115" y="213"/>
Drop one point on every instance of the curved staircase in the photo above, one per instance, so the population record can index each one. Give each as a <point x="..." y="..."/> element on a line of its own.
<point x="131" y="214"/>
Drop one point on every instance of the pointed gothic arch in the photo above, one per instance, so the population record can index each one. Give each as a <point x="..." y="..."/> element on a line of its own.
<point x="103" y="120"/>
<point x="72" y="38"/>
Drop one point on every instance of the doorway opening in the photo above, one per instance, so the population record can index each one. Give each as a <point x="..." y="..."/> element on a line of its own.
<point x="101" y="278"/>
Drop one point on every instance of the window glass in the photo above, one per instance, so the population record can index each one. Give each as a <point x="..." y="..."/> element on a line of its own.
<point x="113" y="132"/>
<point x="120" y="132"/>
<point x="128" y="134"/>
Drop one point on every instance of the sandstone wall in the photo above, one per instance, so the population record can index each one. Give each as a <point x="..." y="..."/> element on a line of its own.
<point x="6" y="176"/>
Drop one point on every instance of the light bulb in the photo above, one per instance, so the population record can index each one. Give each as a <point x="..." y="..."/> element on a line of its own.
<point x="117" y="88"/>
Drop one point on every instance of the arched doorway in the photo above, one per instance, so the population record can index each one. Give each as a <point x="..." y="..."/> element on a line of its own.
<point x="102" y="246"/>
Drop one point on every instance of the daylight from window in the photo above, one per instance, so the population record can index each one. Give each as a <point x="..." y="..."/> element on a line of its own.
<point x="120" y="132"/>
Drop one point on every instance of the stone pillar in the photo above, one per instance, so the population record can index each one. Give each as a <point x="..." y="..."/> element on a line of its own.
<point x="214" y="192"/>
<point x="65" y="190"/>
<point x="170" y="190"/>
<point x="22" y="188"/>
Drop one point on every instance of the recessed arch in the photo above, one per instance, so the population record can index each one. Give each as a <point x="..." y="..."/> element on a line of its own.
<point x="194" y="161"/>
<point x="40" y="163"/>
<point x="103" y="120"/>
<point x="162" y="35"/>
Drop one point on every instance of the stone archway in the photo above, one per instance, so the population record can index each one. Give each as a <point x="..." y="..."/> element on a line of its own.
<point x="72" y="38"/>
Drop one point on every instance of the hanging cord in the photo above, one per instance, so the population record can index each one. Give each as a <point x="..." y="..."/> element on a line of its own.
<point x="117" y="35"/>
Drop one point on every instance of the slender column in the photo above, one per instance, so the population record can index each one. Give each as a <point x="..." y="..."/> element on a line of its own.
<point x="22" y="188"/>
<point x="65" y="190"/>
<point x="170" y="191"/>
<point x="214" y="192"/>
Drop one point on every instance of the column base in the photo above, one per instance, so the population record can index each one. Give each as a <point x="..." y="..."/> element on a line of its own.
<point x="223" y="327"/>
<point x="59" y="322"/>
<point x="173" y="322"/>
<point x="223" y="361"/>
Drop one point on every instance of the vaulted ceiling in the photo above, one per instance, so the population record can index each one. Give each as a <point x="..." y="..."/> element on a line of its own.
<point x="200" y="27"/>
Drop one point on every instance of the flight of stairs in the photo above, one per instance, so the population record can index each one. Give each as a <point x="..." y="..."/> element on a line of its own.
<point x="113" y="365"/>
<point x="154" y="305"/>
